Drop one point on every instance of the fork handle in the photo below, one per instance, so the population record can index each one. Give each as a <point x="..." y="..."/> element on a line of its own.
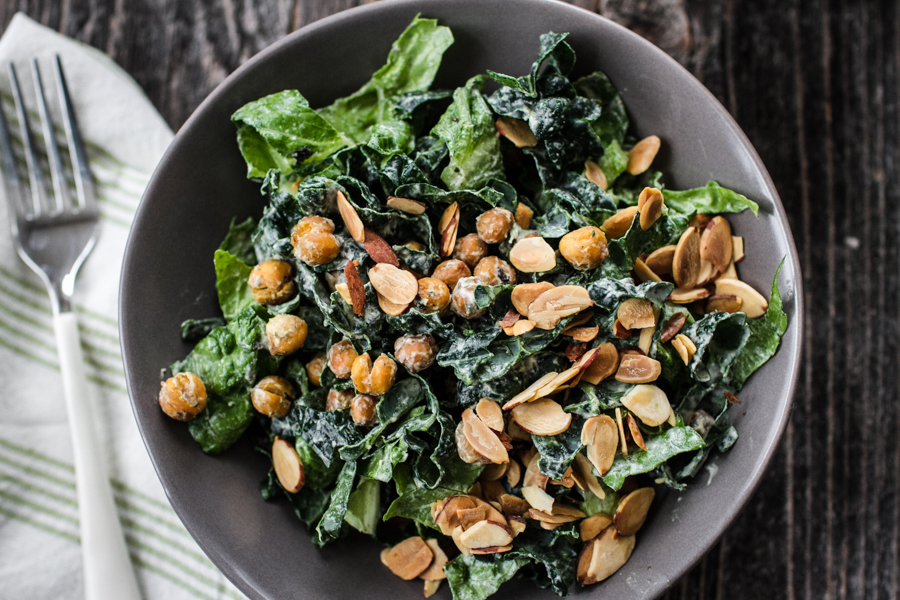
<point x="108" y="574"/>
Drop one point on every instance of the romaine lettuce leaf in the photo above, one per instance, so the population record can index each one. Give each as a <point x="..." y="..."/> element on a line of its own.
<point x="231" y="284"/>
<point x="476" y="577"/>
<point x="765" y="336"/>
<point x="660" y="448"/>
<point x="561" y="59"/>
<point x="710" y="199"/>
<point x="239" y="241"/>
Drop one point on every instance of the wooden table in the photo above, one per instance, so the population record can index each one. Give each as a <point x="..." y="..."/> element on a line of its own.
<point x="815" y="87"/>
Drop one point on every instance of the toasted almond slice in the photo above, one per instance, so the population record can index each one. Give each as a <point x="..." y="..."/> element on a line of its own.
<point x="685" y="347"/>
<point x="650" y="205"/>
<point x="469" y="516"/>
<point x="288" y="467"/>
<point x="542" y="417"/>
<point x="716" y="244"/>
<point x="729" y="273"/>
<point x="484" y="441"/>
<point x="538" y="498"/>
<point x="528" y="393"/>
<point x="515" y="432"/>
<point x="492" y="550"/>
<point x="587" y="359"/>
<point x="609" y="552"/>
<point x="524" y="215"/>
<point x="517" y="131"/>
<point x="493" y="472"/>
<point x="378" y="249"/>
<point x="583" y="474"/>
<point x="737" y="249"/>
<point x="672" y="420"/>
<point x="513" y="473"/>
<point x="408" y="559"/>
<point x="486" y="534"/>
<point x="525" y="293"/>
<point x="585" y="334"/>
<point x="575" y="351"/>
<point x="553" y="305"/>
<point x="490" y="413"/>
<point x="643" y="272"/>
<point x="686" y="296"/>
<point x="395" y="285"/>
<point x="435" y="572"/>
<point x="509" y="319"/>
<point x="686" y="261"/>
<point x="618" y="225"/>
<point x="592" y="526"/>
<point x="344" y="291"/>
<point x="564" y="510"/>
<point x="389" y="308"/>
<point x="660" y="261"/>
<point x="456" y="534"/>
<point x="513" y="506"/>
<point x="621" y="430"/>
<point x="533" y="475"/>
<point x="708" y="272"/>
<point x="351" y="218"/>
<point x="475" y="490"/>
<point x="412" y="207"/>
<point x="567" y="480"/>
<point x="632" y="511"/>
<point x="584" y="563"/>
<point x="641" y="156"/>
<point x="724" y="303"/>
<point x="595" y="175"/>
<point x="493" y="512"/>
<point x="447" y="228"/>
<point x="600" y="436"/>
<point x="436" y="508"/>
<point x="636" y="313"/>
<point x="517" y="524"/>
<point x="431" y="587"/>
<point x="672" y="327"/>
<point x="549" y="526"/>
<point x="448" y="517"/>
<point x="355" y="289"/>
<point x="555" y="383"/>
<point x="648" y="403"/>
<point x="539" y="515"/>
<point x="604" y="364"/>
<point x="646" y="339"/>
<point x="579" y="320"/>
<point x="451" y="212"/>
<point x="532" y="255"/>
<point x="465" y="450"/>
<point x="637" y="368"/>
<point x="520" y="327"/>
<point x="752" y="302"/>
<point x="635" y="431"/>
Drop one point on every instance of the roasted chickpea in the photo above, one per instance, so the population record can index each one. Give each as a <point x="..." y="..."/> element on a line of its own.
<point x="362" y="410"/>
<point x="470" y="249"/>
<point x="373" y="379"/>
<point x="434" y="296"/>
<point x="271" y="283"/>
<point x="451" y="271"/>
<point x="415" y="352"/>
<point x="272" y="396"/>
<point x="338" y="400"/>
<point x="493" y="225"/>
<point x="285" y="334"/>
<point x="462" y="301"/>
<point x="314" y="369"/>
<point x="183" y="396"/>
<point x="310" y="224"/>
<point x="341" y="357"/>
<point x="495" y="271"/>
<point x="584" y="248"/>
<point x="316" y="248"/>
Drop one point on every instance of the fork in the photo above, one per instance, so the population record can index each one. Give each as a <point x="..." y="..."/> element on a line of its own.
<point x="54" y="236"/>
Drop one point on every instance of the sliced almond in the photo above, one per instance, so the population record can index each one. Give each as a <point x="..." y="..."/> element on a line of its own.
<point x="584" y="334"/>
<point x="632" y="511"/>
<point x="528" y="393"/>
<point x="542" y="417"/>
<point x="465" y="450"/>
<point x="649" y="403"/>
<point x="491" y="492"/>
<point x="575" y="350"/>
<point x="513" y="473"/>
<point x="555" y="383"/>
<point x="553" y="305"/>
<point x="604" y="364"/>
<point x="448" y="215"/>
<point x="448" y="517"/>
<point x="493" y="472"/>
<point x="672" y="327"/>
<point x="752" y="302"/>
<point x="520" y="327"/>
<point x="635" y="431"/>
<point x="564" y="510"/>
<point x="660" y="261"/>
<point x="493" y="512"/>
<point x="533" y="475"/>
<point x="509" y="319"/>
<point x="515" y="432"/>
<point x="525" y="293"/>
<point x="583" y="474"/>
<point x="389" y="308"/>
<point x="637" y="368"/>
<point x="650" y="205"/>
<point x="688" y="295"/>
<point x="435" y="571"/>
<point x="513" y="506"/>
<point x="532" y="255"/>
<point x="378" y="249"/>
<point x="636" y="313"/>
<point x="645" y="341"/>
<point x="600" y="436"/>
<point x="524" y="215"/>
<point x="475" y="490"/>
<point x="549" y="526"/>
<point x="490" y="413"/>
<point x="539" y="515"/>
<point x="484" y="441"/>
<point x="708" y="272"/>
<point x="431" y="587"/>
<point x="288" y="468"/>
<point x="456" y="535"/>
<point x="517" y="525"/>
<point x="643" y="272"/>
<point x="685" y="347"/>
<point x="447" y="228"/>
<point x="737" y="249"/>
<point x="621" y="430"/>
<point x="729" y="273"/>
<point x="486" y="534"/>
<point x="395" y="285"/>
<point x="618" y="225"/>
<point x="517" y="131"/>
<point x="408" y="559"/>
<point x="567" y="480"/>
<point x="578" y="321"/>
<point x="412" y="207"/>
<point x="469" y="516"/>
<point x="492" y="549"/>
<point x="724" y="303"/>
<point x="620" y="331"/>
<point x="351" y="218"/>
<point x="716" y="244"/>
<point x="686" y="261"/>
<point x="344" y="291"/>
<point x="595" y="175"/>
<point x="603" y="556"/>
<point x="538" y="498"/>
<point x="700" y="221"/>
<point x="355" y="289"/>
<point x="641" y="156"/>
<point x="592" y="526"/>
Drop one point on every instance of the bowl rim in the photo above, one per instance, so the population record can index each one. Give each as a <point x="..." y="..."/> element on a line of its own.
<point x="796" y="293"/>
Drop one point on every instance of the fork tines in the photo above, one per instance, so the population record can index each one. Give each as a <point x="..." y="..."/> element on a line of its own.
<point x="38" y="206"/>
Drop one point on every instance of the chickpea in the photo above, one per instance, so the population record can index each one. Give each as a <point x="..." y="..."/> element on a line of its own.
<point x="495" y="271"/>
<point x="271" y="283"/>
<point x="341" y="357"/>
<point x="285" y="334"/>
<point x="415" y="352"/>
<point x="314" y="369"/>
<point x="451" y="271"/>
<point x="316" y="248"/>
<point x="310" y="224"/>
<point x="272" y="396"/>
<point x="376" y="379"/>
<point x="584" y="248"/>
<point x="493" y="225"/>
<point x="183" y="396"/>
<point x="338" y="400"/>
<point x="462" y="301"/>
<point x="470" y="249"/>
<point x="434" y="296"/>
<point x="362" y="410"/>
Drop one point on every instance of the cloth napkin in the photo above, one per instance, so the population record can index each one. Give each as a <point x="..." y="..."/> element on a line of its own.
<point x="40" y="556"/>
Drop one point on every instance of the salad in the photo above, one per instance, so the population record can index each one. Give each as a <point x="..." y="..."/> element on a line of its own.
<point x="473" y="324"/>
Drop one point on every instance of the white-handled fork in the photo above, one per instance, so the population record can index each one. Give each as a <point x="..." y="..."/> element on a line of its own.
<point x="54" y="236"/>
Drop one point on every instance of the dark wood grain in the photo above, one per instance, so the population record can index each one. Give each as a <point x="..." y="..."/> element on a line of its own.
<point x="814" y="84"/>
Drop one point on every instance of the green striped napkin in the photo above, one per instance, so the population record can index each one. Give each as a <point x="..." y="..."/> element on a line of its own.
<point x="39" y="546"/>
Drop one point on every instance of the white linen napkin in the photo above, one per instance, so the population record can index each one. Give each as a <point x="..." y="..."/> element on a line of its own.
<point x="40" y="555"/>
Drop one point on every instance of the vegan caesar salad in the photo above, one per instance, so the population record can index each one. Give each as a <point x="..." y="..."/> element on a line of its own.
<point x="474" y="325"/>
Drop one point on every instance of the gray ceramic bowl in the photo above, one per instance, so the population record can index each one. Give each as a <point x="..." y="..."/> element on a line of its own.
<point x="199" y="186"/>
